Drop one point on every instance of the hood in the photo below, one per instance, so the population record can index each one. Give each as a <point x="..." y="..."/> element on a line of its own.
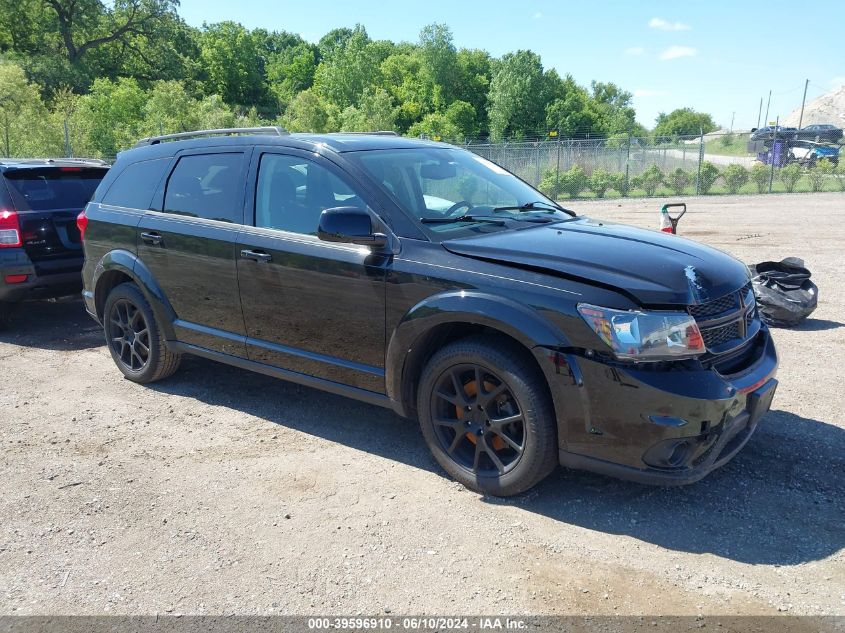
<point x="650" y="267"/>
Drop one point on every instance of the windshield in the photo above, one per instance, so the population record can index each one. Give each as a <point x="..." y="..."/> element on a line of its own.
<point x="453" y="193"/>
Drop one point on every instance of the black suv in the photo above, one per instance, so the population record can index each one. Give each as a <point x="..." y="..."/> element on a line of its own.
<point x="424" y="278"/>
<point x="40" y="249"/>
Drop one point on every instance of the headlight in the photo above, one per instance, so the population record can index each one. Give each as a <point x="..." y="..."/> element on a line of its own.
<point x="637" y="335"/>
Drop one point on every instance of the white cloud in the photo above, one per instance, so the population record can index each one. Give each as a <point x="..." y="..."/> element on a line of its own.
<point x="538" y="15"/>
<point x="837" y="81"/>
<point x="645" y="92"/>
<point x="674" y="52"/>
<point x="665" y="25"/>
<point x="634" y="51"/>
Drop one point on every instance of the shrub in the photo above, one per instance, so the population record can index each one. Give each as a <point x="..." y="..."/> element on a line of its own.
<point x="573" y="181"/>
<point x="678" y="180"/>
<point x="651" y="179"/>
<point x="600" y="182"/>
<point x="617" y="183"/>
<point x="735" y="176"/>
<point x="709" y="175"/>
<point x="726" y="139"/>
<point x="819" y="174"/>
<point x="760" y="175"/>
<point x="839" y="174"/>
<point x="790" y="175"/>
<point x="550" y="184"/>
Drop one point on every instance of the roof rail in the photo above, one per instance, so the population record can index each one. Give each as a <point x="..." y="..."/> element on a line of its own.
<point x="155" y="140"/>
<point x="35" y="161"/>
<point x="376" y="133"/>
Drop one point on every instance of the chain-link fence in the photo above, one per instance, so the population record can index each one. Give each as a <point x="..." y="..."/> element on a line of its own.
<point x="704" y="164"/>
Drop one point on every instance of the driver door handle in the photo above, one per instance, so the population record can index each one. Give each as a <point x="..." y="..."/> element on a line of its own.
<point x="258" y="256"/>
<point x="152" y="238"/>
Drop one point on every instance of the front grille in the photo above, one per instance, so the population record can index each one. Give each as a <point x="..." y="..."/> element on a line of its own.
<point x="713" y="308"/>
<point x="728" y="322"/>
<point x="716" y="336"/>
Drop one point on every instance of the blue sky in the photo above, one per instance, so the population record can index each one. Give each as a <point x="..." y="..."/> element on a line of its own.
<point x="719" y="56"/>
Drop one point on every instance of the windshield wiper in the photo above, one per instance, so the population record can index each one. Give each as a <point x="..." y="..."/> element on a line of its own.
<point x="464" y="218"/>
<point x="532" y="206"/>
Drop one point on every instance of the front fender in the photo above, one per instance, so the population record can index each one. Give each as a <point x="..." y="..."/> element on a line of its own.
<point x="504" y="315"/>
<point x="127" y="263"/>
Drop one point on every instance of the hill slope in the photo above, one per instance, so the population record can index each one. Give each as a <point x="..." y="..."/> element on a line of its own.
<point x="828" y="108"/>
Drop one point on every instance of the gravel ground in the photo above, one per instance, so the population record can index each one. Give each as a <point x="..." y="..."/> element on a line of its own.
<point x="220" y="491"/>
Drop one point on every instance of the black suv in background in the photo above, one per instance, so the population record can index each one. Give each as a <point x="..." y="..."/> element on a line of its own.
<point x="424" y="278"/>
<point x="40" y="249"/>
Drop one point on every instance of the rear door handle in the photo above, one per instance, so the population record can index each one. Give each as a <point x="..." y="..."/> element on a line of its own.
<point x="257" y="256"/>
<point x="152" y="238"/>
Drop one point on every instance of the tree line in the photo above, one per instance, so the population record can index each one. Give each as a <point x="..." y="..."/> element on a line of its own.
<point x="97" y="75"/>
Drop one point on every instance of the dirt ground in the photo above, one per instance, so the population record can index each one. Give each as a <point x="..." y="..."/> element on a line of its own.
<point x="220" y="491"/>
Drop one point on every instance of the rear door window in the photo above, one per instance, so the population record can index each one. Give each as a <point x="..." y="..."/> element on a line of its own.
<point x="53" y="188"/>
<point x="207" y="186"/>
<point x="135" y="186"/>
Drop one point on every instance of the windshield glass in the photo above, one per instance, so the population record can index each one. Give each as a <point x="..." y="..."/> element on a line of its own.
<point x="447" y="192"/>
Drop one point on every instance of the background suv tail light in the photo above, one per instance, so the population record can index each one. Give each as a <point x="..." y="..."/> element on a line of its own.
<point x="10" y="229"/>
<point x="82" y="223"/>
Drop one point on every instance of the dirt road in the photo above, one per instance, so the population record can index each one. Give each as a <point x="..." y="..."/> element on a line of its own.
<point x="220" y="491"/>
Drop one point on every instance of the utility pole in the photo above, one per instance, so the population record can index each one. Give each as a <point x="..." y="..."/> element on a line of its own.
<point x="759" y="112"/>
<point x="768" y="103"/>
<point x="733" y="116"/>
<point x="803" y="100"/>
<point x="775" y="153"/>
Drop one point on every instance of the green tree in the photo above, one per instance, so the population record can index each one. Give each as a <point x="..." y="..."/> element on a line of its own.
<point x="678" y="180"/>
<point x="760" y="175"/>
<point x="352" y="66"/>
<point x="613" y="107"/>
<point x="26" y="130"/>
<point x="709" y="174"/>
<point x="374" y="112"/>
<point x="790" y="175"/>
<point x="439" y="66"/>
<point x="291" y="70"/>
<point x="735" y="177"/>
<point x="683" y="122"/>
<point x="516" y="100"/>
<point x="230" y="59"/>
<point x="600" y="181"/>
<point x="474" y="74"/>
<point x="111" y="115"/>
<point x="169" y="108"/>
<point x="457" y="123"/>
<point x="308" y="112"/>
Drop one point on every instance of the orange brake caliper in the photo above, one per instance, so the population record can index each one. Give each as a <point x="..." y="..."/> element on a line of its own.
<point x="471" y="389"/>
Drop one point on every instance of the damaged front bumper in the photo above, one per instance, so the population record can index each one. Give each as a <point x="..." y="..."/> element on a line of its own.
<point x="659" y="424"/>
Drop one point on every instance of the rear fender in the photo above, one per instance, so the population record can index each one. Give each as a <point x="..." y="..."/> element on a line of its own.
<point x="128" y="263"/>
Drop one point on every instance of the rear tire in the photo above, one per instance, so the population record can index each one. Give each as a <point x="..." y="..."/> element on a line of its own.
<point x="487" y="417"/>
<point x="134" y="338"/>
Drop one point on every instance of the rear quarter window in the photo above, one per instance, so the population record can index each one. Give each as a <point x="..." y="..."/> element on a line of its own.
<point x="52" y="188"/>
<point x="135" y="186"/>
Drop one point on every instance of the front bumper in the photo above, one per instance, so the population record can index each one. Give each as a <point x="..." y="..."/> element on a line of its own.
<point x="57" y="278"/>
<point x="659" y="425"/>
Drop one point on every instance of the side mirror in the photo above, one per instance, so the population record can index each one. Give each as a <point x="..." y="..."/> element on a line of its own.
<point x="349" y="225"/>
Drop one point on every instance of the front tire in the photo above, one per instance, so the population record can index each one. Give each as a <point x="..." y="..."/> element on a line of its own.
<point x="487" y="417"/>
<point x="134" y="338"/>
